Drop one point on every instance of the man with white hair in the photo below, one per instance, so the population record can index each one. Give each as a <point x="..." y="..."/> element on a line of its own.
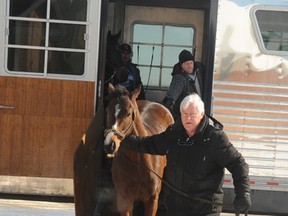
<point x="197" y="153"/>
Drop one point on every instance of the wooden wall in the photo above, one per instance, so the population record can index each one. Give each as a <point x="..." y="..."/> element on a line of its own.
<point x="39" y="136"/>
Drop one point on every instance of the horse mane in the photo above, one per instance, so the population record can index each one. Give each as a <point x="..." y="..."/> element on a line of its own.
<point x="118" y="92"/>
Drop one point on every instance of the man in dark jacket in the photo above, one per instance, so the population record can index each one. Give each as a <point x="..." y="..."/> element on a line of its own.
<point x="197" y="153"/>
<point x="132" y="78"/>
<point x="187" y="78"/>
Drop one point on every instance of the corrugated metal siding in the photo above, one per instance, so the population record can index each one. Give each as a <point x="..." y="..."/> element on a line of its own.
<point x="255" y="117"/>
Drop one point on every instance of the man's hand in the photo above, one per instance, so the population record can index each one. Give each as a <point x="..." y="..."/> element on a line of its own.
<point x="242" y="202"/>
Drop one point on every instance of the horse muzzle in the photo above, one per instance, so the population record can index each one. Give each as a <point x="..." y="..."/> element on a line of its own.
<point x="110" y="148"/>
<point x="111" y="143"/>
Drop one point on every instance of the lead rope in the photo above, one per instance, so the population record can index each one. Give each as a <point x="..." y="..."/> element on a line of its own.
<point x="172" y="187"/>
<point x="237" y="213"/>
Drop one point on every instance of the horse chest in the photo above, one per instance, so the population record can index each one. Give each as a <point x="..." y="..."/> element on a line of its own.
<point x="135" y="180"/>
<point x="131" y="169"/>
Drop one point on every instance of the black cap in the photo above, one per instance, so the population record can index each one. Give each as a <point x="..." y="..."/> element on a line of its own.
<point x="125" y="47"/>
<point x="184" y="56"/>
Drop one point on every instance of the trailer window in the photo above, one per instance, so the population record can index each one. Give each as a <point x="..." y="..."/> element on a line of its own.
<point x="156" y="49"/>
<point x="46" y="37"/>
<point x="273" y="29"/>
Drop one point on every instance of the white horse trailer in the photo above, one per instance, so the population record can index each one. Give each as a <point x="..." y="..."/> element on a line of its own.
<point x="51" y="85"/>
<point x="250" y="87"/>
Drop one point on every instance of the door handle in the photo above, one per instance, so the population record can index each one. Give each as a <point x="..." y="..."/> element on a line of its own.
<point x="6" y="107"/>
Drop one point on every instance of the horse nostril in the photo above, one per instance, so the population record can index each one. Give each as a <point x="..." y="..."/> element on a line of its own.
<point x="113" y="146"/>
<point x="110" y="148"/>
<point x="106" y="149"/>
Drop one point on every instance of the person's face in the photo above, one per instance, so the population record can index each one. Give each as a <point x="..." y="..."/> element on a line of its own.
<point x="125" y="56"/>
<point x="191" y="118"/>
<point x="188" y="66"/>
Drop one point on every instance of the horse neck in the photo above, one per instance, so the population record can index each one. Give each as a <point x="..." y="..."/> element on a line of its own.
<point x="139" y="128"/>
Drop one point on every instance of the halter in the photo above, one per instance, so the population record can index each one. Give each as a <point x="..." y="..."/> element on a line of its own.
<point x="119" y="133"/>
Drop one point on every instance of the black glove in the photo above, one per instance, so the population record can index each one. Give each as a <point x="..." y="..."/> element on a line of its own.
<point x="242" y="202"/>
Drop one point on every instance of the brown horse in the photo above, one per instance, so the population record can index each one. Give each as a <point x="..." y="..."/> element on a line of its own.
<point x="130" y="170"/>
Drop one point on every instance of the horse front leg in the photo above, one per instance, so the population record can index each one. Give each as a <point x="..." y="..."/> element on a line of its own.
<point x="151" y="205"/>
<point x="124" y="205"/>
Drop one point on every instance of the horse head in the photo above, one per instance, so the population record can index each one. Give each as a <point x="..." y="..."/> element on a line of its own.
<point x="121" y="113"/>
<point x="112" y="49"/>
<point x="115" y="71"/>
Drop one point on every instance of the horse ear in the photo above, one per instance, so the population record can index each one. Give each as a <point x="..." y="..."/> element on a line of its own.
<point x="111" y="88"/>
<point x="136" y="92"/>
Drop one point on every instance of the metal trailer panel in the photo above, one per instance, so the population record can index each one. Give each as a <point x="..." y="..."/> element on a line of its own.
<point x="250" y="99"/>
<point x="250" y="94"/>
<point x="263" y="202"/>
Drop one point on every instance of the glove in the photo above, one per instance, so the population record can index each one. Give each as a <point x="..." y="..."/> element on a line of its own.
<point x="242" y="202"/>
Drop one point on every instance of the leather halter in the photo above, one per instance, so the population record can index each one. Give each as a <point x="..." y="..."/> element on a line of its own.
<point x="122" y="135"/>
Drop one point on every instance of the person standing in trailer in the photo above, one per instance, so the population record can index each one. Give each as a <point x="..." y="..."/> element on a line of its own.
<point x="133" y="78"/>
<point x="187" y="78"/>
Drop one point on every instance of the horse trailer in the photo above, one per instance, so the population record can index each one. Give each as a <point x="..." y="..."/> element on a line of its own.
<point x="52" y="78"/>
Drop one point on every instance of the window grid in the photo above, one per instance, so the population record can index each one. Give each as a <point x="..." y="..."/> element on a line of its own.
<point x="46" y="48"/>
<point x="271" y="29"/>
<point x="160" y="64"/>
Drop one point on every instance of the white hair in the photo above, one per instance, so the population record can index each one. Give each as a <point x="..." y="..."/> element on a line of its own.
<point x="194" y="99"/>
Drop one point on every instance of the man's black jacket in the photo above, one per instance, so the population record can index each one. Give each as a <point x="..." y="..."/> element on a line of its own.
<point x="195" y="165"/>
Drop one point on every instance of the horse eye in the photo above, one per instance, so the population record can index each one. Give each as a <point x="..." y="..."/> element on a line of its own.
<point x="128" y="114"/>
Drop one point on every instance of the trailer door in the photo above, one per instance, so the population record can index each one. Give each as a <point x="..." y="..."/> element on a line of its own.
<point x="47" y="92"/>
<point x="159" y="31"/>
